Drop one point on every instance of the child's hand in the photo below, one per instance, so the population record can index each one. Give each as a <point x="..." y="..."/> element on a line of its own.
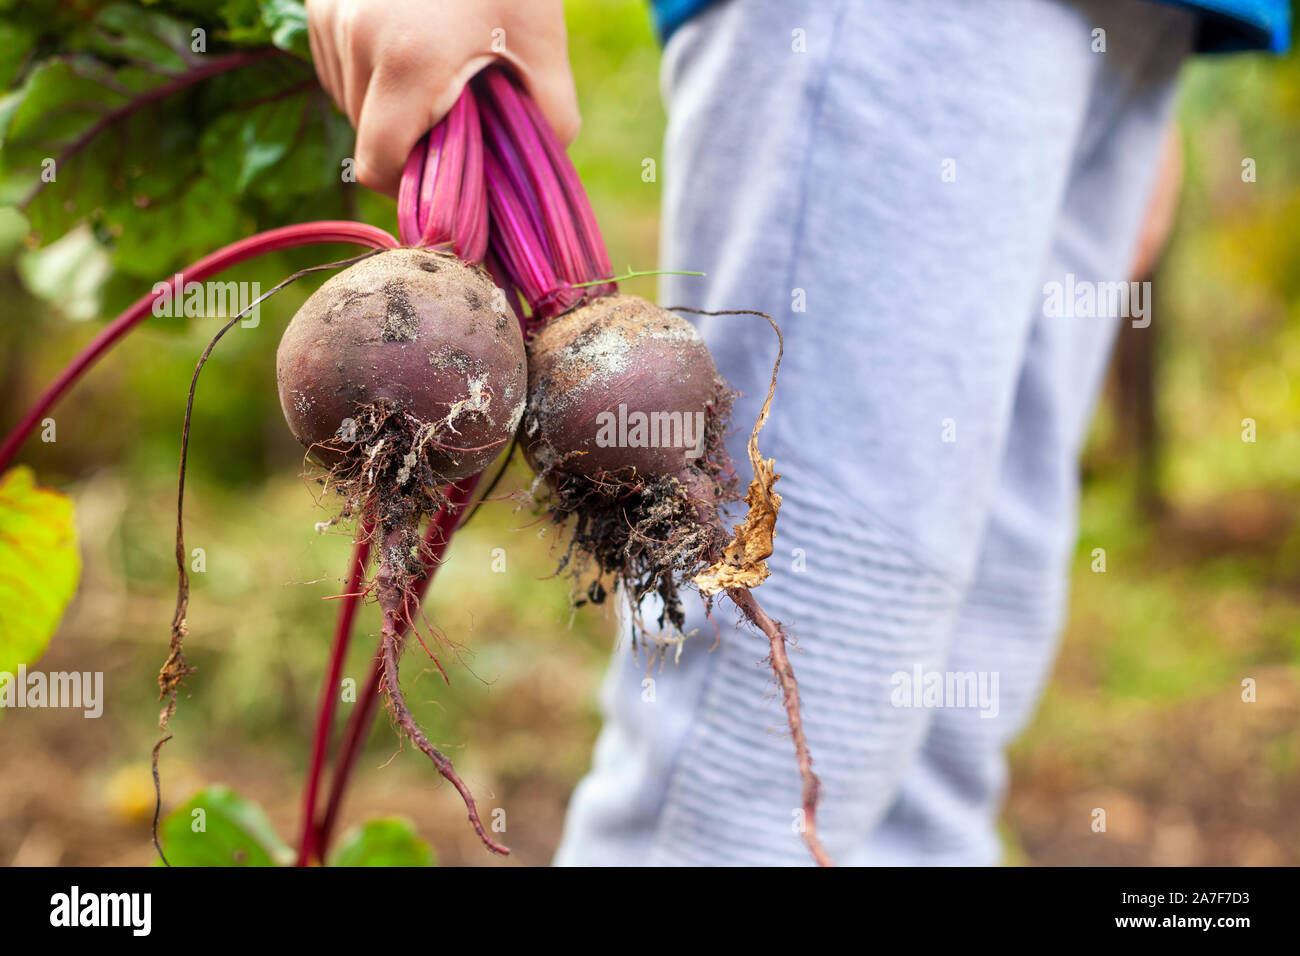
<point x="397" y="66"/>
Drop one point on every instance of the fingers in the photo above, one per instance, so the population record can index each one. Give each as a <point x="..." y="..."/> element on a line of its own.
<point x="551" y="86"/>
<point x="398" y="108"/>
<point x="389" y="128"/>
<point x="396" y="77"/>
<point x="354" y="43"/>
<point x="543" y="65"/>
<point x="324" y="52"/>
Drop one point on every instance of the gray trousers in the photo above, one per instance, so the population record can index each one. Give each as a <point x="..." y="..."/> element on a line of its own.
<point x="902" y="185"/>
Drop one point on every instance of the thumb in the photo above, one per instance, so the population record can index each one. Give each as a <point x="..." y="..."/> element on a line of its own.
<point x="550" y="84"/>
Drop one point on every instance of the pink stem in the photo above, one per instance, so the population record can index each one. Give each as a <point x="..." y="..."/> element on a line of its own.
<point x="543" y="230"/>
<point x="303" y="234"/>
<point x="518" y="246"/>
<point x="442" y="198"/>
<point x="441" y="193"/>
<point x="505" y="150"/>
<point x="566" y="248"/>
<point x="434" y="142"/>
<point x="437" y="538"/>
<point x="571" y="186"/>
<point x="472" y="223"/>
<point x="408" y="194"/>
<point x="329" y="694"/>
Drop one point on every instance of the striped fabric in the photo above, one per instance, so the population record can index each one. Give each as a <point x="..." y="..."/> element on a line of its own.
<point x="929" y="415"/>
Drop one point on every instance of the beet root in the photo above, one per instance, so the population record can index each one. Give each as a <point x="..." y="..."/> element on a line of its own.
<point x="415" y="333"/>
<point x="396" y="602"/>
<point x="625" y="424"/>
<point x="618" y="386"/>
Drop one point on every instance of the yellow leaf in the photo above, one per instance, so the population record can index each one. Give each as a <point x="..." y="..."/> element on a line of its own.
<point x="39" y="566"/>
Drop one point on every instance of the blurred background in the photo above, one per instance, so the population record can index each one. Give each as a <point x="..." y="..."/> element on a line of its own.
<point x="1144" y="715"/>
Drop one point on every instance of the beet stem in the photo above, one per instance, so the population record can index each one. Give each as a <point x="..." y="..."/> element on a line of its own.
<point x="307" y="848"/>
<point x="176" y="668"/>
<point x="303" y="234"/>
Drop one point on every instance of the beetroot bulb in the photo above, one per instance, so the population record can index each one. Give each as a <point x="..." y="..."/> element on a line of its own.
<point x="405" y="346"/>
<point x="625" y="424"/>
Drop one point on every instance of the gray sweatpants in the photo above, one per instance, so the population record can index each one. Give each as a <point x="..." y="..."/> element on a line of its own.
<point x="899" y="184"/>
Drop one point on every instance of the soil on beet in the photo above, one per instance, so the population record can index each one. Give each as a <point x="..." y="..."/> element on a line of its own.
<point x="642" y="528"/>
<point x="407" y="329"/>
<point x="646" y="535"/>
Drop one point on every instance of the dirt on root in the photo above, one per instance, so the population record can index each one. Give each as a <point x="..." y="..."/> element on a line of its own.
<point x="646" y="535"/>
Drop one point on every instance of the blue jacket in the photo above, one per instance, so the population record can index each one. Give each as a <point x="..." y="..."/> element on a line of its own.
<point x="1226" y="25"/>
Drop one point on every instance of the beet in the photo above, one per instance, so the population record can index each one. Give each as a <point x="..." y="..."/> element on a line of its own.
<point x="413" y="331"/>
<point x="619" y="386"/>
<point x="643" y="501"/>
<point x="401" y="376"/>
<point x="646" y="514"/>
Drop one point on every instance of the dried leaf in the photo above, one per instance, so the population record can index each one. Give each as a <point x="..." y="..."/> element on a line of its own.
<point x="744" y="561"/>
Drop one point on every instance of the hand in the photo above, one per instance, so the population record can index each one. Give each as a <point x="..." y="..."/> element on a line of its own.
<point x="395" y="67"/>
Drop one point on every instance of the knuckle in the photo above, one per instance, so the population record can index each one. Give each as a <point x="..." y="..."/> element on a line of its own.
<point x="403" y="54"/>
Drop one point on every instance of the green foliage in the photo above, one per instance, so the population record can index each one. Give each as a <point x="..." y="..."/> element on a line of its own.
<point x="39" y="566"/>
<point x="390" y="841"/>
<point x="13" y="227"/>
<point x="217" y="827"/>
<point x="71" y="271"/>
<point x="168" y="129"/>
<point x="282" y="23"/>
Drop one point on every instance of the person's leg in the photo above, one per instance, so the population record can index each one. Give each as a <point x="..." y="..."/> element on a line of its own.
<point x="886" y="179"/>
<point x="947" y="804"/>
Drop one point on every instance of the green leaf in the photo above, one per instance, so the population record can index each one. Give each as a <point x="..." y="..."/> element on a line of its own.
<point x="39" y="566"/>
<point x="281" y="22"/>
<point x="289" y="147"/>
<point x="147" y="250"/>
<point x="216" y="827"/>
<point x="240" y="146"/>
<point x="389" y="841"/>
<point x="128" y="32"/>
<point x="287" y="22"/>
<point x="13" y="230"/>
<point x="68" y="273"/>
<point x="61" y="101"/>
<point x="111" y="120"/>
<point x="15" y="42"/>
